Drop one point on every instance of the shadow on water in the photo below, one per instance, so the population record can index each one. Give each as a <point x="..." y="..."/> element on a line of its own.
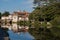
<point x="3" y="34"/>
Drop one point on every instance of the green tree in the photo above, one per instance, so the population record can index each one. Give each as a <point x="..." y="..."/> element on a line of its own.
<point x="23" y="23"/>
<point x="49" y="13"/>
<point x="56" y="22"/>
<point x="37" y="2"/>
<point x="6" y="13"/>
<point x="0" y="15"/>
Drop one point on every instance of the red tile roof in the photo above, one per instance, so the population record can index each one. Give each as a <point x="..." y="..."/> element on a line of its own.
<point x="22" y="14"/>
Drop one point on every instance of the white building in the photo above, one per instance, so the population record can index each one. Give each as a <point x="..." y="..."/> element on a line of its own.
<point x="16" y="16"/>
<point x="20" y="16"/>
<point x="6" y="18"/>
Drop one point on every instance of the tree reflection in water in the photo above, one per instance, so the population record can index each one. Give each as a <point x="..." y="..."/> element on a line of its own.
<point x="3" y="34"/>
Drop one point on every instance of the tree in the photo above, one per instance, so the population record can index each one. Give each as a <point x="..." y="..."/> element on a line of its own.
<point x="23" y="23"/>
<point x="56" y="22"/>
<point x="51" y="14"/>
<point x="0" y="15"/>
<point x="6" y="13"/>
<point x="41" y="2"/>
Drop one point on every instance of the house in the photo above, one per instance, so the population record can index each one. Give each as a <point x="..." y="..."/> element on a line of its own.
<point x="6" y="18"/>
<point x="20" y="16"/>
<point x="16" y="16"/>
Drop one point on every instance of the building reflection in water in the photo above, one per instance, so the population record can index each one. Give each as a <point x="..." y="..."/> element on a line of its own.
<point x="17" y="32"/>
<point x="15" y="27"/>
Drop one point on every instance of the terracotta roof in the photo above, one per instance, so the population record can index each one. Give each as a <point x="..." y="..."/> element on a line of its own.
<point x="21" y="14"/>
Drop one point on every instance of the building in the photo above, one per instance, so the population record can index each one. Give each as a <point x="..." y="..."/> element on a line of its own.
<point x="20" y="16"/>
<point x="6" y="18"/>
<point x="16" y="16"/>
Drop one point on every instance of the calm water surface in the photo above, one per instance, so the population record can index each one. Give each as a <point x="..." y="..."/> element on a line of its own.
<point x="20" y="36"/>
<point x="16" y="36"/>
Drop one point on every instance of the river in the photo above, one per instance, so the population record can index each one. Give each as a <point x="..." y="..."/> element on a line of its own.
<point x="20" y="36"/>
<point x="16" y="35"/>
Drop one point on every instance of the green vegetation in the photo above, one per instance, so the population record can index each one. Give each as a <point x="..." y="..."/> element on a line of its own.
<point x="23" y="23"/>
<point x="6" y="13"/>
<point x="0" y="15"/>
<point x="37" y="2"/>
<point x="46" y="14"/>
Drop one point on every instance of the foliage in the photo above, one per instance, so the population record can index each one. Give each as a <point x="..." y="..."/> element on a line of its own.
<point x="35" y="14"/>
<point x="24" y="23"/>
<point x="56" y="22"/>
<point x="0" y="15"/>
<point x="51" y="14"/>
<point x="52" y="11"/>
<point x="46" y="34"/>
<point x="47" y="2"/>
<point x="6" y="13"/>
<point x="47" y="13"/>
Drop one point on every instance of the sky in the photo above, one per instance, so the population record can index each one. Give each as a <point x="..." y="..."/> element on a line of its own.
<point x="16" y="5"/>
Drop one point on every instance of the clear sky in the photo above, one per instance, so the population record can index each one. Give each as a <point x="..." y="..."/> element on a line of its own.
<point x="15" y="5"/>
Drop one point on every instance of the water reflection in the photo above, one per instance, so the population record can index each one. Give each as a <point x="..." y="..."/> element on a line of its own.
<point x="17" y="32"/>
<point x="20" y="36"/>
<point x="14" y="27"/>
<point x="3" y="34"/>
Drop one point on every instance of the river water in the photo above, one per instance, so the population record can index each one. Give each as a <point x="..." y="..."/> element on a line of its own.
<point x="14" y="35"/>
<point x="20" y="36"/>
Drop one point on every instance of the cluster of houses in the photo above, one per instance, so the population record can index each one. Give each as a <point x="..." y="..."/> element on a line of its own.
<point x="16" y="16"/>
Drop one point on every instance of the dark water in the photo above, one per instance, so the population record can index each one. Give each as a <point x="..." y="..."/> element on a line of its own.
<point x="3" y="34"/>
<point x="20" y="36"/>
